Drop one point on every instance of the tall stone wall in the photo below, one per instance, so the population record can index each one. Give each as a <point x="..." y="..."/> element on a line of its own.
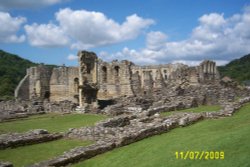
<point x="39" y="81"/>
<point x="36" y="83"/>
<point x="114" y="79"/>
<point x="64" y="84"/>
<point x="148" y="79"/>
<point x="208" y="72"/>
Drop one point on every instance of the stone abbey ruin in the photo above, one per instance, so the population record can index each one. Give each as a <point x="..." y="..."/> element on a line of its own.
<point x="96" y="84"/>
<point x="133" y="96"/>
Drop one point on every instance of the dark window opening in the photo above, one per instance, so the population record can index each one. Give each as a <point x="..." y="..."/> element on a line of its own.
<point x="76" y="85"/>
<point x="165" y="74"/>
<point x="88" y="68"/>
<point x="104" y="74"/>
<point x="117" y="70"/>
<point x="117" y="73"/>
<point x="46" y="94"/>
<point x="104" y="103"/>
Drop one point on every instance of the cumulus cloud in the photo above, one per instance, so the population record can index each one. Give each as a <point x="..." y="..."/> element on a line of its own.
<point x="91" y="29"/>
<point x="9" y="28"/>
<point x="83" y="29"/>
<point x="72" y="57"/>
<point x="46" y="35"/>
<point x="21" y="4"/>
<point x="216" y="37"/>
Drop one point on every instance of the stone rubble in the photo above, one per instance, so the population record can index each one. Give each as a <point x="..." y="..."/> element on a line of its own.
<point x="11" y="110"/>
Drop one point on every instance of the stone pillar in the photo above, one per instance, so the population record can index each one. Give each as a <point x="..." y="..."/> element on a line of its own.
<point x="210" y="67"/>
<point x="80" y="80"/>
<point x="88" y="65"/>
<point x="148" y="81"/>
<point x="158" y="80"/>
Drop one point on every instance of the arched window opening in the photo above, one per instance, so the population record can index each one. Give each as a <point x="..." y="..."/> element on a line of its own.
<point x="76" y="85"/>
<point x="88" y="68"/>
<point x="104" y="74"/>
<point x="165" y="74"/>
<point x="46" y="94"/>
<point x="117" y="70"/>
<point x="116" y="73"/>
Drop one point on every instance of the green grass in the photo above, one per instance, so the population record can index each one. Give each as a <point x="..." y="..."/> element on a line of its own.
<point x="231" y="135"/>
<point x="196" y="110"/>
<point x="23" y="156"/>
<point x="50" y="122"/>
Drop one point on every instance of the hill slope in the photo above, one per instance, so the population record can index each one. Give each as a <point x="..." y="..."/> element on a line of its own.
<point x="238" y="69"/>
<point x="12" y="70"/>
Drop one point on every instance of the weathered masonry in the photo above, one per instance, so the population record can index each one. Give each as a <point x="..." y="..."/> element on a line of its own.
<point x="96" y="81"/>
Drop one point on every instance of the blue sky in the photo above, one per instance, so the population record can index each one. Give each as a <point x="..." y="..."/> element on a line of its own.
<point x="145" y="32"/>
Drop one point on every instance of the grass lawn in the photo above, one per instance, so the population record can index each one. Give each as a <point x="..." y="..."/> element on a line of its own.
<point x="196" y="109"/>
<point x="23" y="156"/>
<point x="231" y="135"/>
<point x="51" y="122"/>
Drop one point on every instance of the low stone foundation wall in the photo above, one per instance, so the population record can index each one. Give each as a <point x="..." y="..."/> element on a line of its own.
<point x="10" y="110"/>
<point x="5" y="164"/>
<point x="31" y="137"/>
<point x="77" y="154"/>
<point x="109" y="136"/>
<point x="13" y="115"/>
<point x="123" y="130"/>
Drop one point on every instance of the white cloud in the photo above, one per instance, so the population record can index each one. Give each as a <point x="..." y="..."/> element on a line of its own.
<point x="216" y="37"/>
<point x="212" y="19"/>
<point x="83" y="29"/>
<point x="91" y="29"/>
<point x="155" y="40"/>
<point x="72" y="57"/>
<point x="21" y="4"/>
<point x="46" y="35"/>
<point x="9" y="28"/>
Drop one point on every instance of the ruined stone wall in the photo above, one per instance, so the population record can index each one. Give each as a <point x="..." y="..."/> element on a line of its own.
<point x="96" y="80"/>
<point x="208" y="72"/>
<point x="35" y="84"/>
<point x="114" y="79"/>
<point x="22" y="90"/>
<point x="87" y="78"/>
<point x="39" y="78"/>
<point x="146" y="79"/>
<point x="64" y="84"/>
